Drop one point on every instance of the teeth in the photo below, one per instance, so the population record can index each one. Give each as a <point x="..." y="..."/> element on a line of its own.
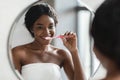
<point x="48" y="38"/>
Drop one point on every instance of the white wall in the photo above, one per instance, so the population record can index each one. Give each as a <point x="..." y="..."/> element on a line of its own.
<point x="93" y="4"/>
<point x="67" y="20"/>
<point x="9" y="10"/>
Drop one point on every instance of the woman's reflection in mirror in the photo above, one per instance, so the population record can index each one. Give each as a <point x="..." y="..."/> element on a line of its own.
<point x="39" y="60"/>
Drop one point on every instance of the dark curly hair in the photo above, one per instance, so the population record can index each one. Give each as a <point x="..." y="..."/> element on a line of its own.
<point x="106" y="30"/>
<point x="35" y="12"/>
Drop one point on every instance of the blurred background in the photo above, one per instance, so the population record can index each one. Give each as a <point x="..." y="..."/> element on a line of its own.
<point x="73" y="15"/>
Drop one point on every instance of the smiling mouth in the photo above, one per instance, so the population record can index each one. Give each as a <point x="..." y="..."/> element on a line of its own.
<point x="47" y="38"/>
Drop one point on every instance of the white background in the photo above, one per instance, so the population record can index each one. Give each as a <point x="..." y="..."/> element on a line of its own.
<point x="9" y="10"/>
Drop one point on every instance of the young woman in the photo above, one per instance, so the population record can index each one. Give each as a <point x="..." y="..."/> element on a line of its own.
<point x="105" y="31"/>
<point x="39" y="60"/>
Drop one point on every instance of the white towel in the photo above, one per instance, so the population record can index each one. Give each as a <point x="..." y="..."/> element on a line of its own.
<point x="41" y="71"/>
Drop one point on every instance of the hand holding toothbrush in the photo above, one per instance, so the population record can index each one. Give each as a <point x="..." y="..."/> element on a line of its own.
<point x="70" y="40"/>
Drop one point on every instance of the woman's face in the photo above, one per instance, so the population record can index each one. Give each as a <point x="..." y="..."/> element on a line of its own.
<point x="44" y="27"/>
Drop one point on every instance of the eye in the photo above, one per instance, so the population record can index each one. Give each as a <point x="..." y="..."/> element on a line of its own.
<point x="39" y="26"/>
<point x="51" y="27"/>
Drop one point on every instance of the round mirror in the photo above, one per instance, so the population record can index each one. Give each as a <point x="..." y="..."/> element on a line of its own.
<point x="71" y="17"/>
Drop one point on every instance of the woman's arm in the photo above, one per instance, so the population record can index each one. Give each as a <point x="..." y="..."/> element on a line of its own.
<point x="78" y="72"/>
<point x="16" y="58"/>
<point x="70" y="41"/>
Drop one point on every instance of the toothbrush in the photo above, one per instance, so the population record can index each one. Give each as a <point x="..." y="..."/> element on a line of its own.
<point x="59" y="36"/>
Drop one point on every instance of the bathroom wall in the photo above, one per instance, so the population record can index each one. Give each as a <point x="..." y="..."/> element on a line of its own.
<point x="9" y="10"/>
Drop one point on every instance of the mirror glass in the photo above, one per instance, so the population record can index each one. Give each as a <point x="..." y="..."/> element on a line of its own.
<point x="71" y="17"/>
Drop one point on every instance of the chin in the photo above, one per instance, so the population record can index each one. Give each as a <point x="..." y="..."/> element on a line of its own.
<point x="46" y="42"/>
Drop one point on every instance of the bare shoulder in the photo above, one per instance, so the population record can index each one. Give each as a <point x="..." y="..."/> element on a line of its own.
<point x="62" y="52"/>
<point x="65" y="54"/>
<point x="18" y="51"/>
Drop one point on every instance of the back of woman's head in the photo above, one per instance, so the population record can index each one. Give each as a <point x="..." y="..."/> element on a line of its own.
<point x="106" y="29"/>
<point x="37" y="11"/>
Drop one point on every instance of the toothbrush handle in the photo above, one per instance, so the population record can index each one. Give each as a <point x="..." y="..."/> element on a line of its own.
<point x="60" y="36"/>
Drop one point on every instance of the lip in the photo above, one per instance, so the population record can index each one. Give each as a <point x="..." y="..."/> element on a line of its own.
<point x="47" y="38"/>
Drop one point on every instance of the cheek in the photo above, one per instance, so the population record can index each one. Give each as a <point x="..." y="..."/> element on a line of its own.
<point x="37" y="33"/>
<point x="98" y="54"/>
<point x="95" y="52"/>
<point x="52" y="32"/>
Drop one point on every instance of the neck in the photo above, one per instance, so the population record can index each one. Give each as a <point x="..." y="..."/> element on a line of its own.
<point x="113" y="76"/>
<point x="39" y="46"/>
<point x="113" y="72"/>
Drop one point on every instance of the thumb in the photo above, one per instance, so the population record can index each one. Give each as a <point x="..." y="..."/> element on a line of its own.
<point x="64" y="40"/>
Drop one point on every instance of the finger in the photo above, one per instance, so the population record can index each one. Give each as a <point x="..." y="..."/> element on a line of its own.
<point x="64" y="40"/>
<point x="70" y="34"/>
<point x="66" y="33"/>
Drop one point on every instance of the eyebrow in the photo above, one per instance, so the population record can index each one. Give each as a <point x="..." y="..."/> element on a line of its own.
<point x="51" y="24"/>
<point x="42" y="24"/>
<point x="39" y="24"/>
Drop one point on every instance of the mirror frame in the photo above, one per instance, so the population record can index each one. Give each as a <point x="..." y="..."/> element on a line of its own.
<point x="17" y="74"/>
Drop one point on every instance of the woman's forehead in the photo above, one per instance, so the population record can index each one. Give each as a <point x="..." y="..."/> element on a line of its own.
<point x="44" y="19"/>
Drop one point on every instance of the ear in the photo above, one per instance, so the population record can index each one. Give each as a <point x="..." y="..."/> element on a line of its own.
<point x="31" y="30"/>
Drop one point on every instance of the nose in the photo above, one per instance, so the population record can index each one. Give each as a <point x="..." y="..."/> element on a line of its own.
<point x="46" y="32"/>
